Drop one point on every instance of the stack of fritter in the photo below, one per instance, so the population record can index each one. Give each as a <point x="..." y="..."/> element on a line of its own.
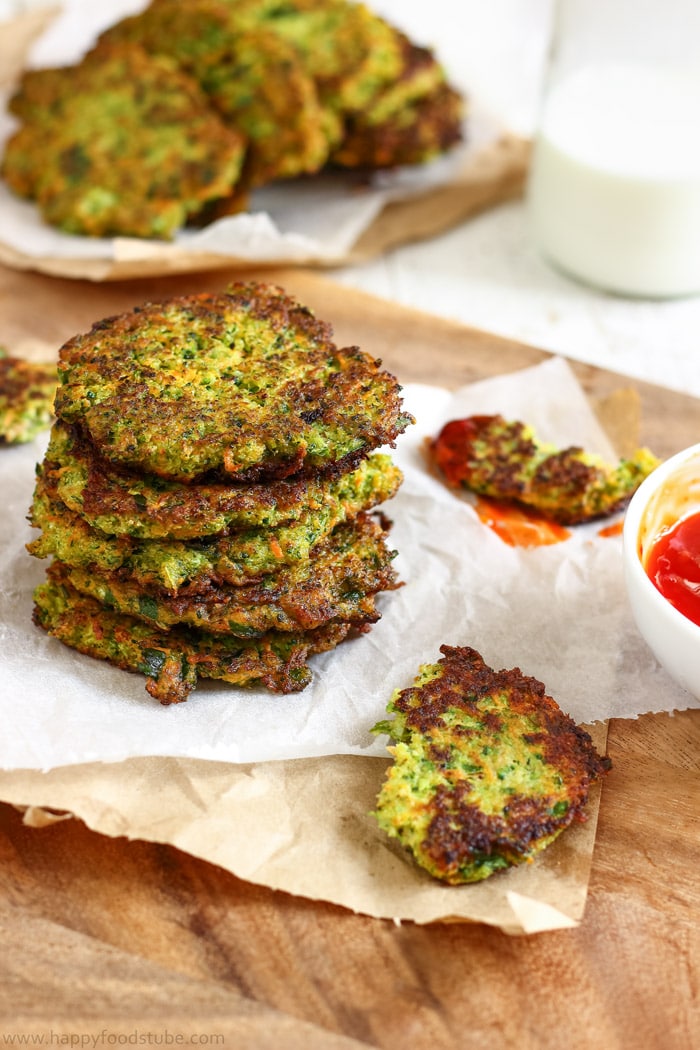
<point x="182" y="109"/>
<point x="206" y="489"/>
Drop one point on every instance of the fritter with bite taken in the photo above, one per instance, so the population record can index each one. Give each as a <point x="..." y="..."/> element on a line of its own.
<point x="244" y="385"/>
<point x="487" y="770"/>
<point x="504" y="460"/>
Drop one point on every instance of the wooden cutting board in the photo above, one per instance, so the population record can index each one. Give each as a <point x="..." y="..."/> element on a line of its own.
<point x="146" y="943"/>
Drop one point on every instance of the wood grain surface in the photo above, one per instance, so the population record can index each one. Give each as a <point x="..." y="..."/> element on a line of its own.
<point x="110" y="941"/>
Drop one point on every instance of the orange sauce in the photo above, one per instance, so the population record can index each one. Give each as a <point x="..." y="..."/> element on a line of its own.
<point x="517" y="526"/>
<point x="611" y="530"/>
<point x="673" y="566"/>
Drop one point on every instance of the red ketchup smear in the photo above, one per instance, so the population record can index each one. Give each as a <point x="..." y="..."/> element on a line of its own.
<point x="518" y="526"/>
<point x="451" y="446"/>
<point x="673" y="566"/>
<point x="515" y="525"/>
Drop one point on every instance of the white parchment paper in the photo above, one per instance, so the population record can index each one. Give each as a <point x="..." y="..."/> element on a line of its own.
<point x="559" y="612"/>
<point x="495" y="57"/>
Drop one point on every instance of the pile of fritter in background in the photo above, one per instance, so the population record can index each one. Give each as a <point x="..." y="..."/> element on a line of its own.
<point x="179" y="112"/>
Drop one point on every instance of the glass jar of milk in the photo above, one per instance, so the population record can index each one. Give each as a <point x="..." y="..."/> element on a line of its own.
<point x="614" y="187"/>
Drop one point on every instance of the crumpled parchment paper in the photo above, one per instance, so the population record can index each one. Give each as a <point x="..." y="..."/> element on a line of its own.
<point x="84" y="738"/>
<point x="558" y="612"/>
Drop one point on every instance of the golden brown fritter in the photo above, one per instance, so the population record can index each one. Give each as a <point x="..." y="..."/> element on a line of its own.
<point x="255" y="79"/>
<point x="264" y="91"/>
<point x="122" y="503"/>
<point x="504" y="460"/>
<point x="27" y="390"/>
<point x="173" y="661"/>
<point x="195" y="33"/>
<point x="350" y="52"/>
<point x="247" y="385"/>
<point x="337" y="585"/>
<point x="124" y="143"/>
<point x="487" y="770"/>
<point x="236" y="557"/>
<point x="418" y="132"/>
<point x="420" y="76"/>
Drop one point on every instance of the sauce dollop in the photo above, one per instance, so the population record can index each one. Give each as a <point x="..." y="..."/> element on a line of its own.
<point x="611" y="530"/>
<point x="673" y="566"/>
<point x="519" y="526"/>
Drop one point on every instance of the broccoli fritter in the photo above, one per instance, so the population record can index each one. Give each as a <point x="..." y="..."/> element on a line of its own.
<point x="124" y="143"/>
<point x="337" y="585"/>
<point x="351" y="53"/>
<point x="173" y="661"/>
<point x="504" y="460"/>
<point x="393" y="94"/>
<point x="265" y="92"/>
<point x="255" y="80"/>
<point x="421" y="75"/>
<point x="410" y="121"/>
<point x="247" y="385"/>
<point x="418" y="133"/>
<point x="144" y="506"/>
<point x="27" y="390"/>
<point x="487" y="770"/>
<point x="238" y="557"/>
<point x="196" y="34"/>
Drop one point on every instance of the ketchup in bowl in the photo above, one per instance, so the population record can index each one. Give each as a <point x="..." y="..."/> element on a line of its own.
<point x="673" y="565"/>
<point x="661" y="560"/>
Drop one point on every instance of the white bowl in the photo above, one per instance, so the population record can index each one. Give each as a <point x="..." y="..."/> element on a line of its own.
<point x="669" y="493"/>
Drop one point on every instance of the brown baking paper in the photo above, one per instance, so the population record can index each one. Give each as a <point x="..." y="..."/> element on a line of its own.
<point x="361" y="220"/>
<point x="306" y="827"/>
